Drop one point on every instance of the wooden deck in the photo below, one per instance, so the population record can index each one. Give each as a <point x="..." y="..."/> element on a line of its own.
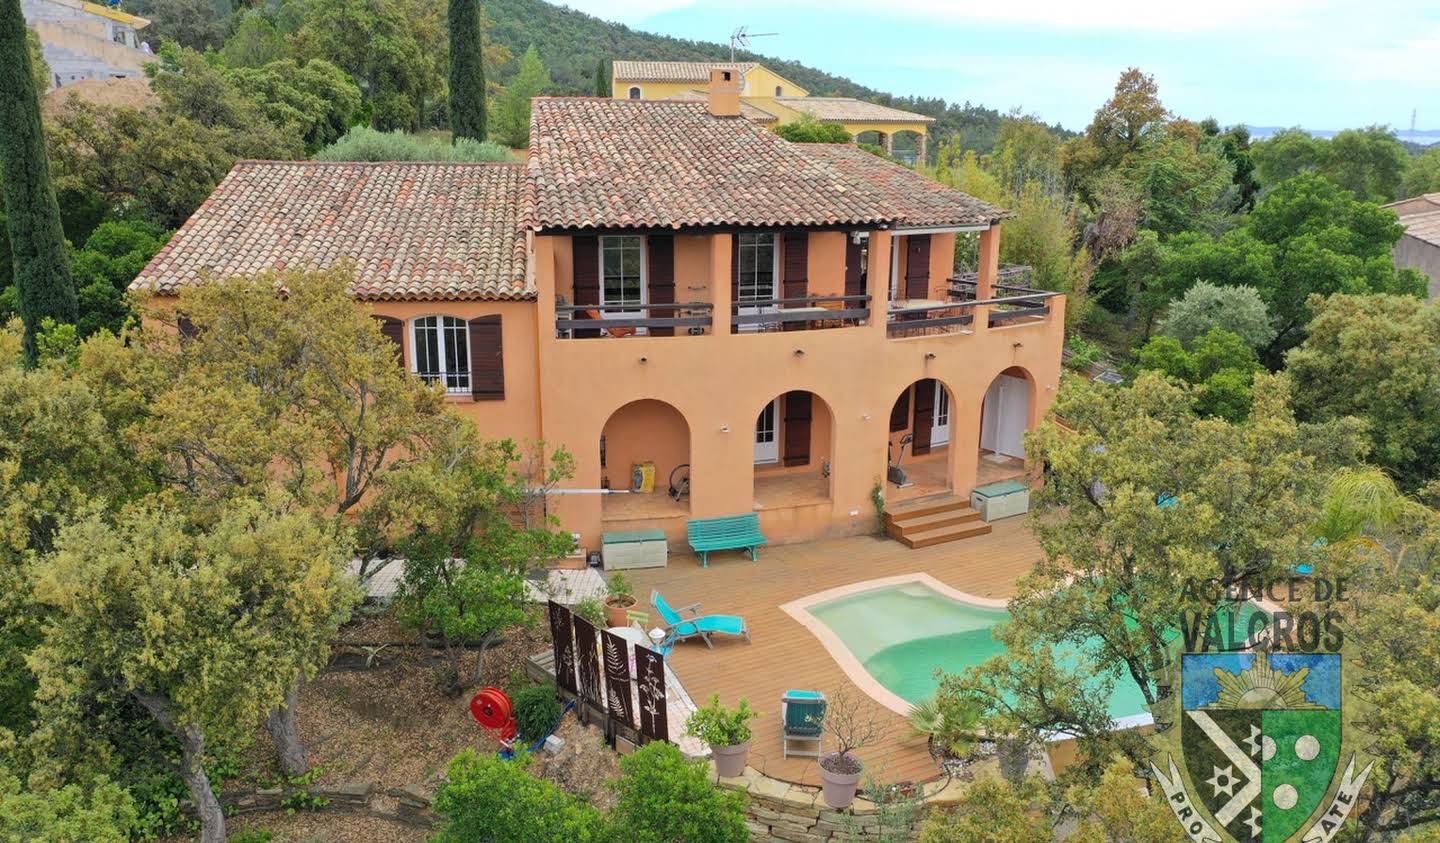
<point x="786" y="655"/>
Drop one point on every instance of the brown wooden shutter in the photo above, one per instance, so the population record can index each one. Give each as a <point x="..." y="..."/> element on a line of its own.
<point x="900" y="413"/>
<point x="487" y="359"/>
<point x="795" y="266"/>
<point x="854" y="270"/>
<point x="797" y="428"/>
<point x="917" y="266"/>
<point x="734" y="281"/>
<point x="585" y="260"/>
<point x="394" y="330"/>
<point x="924" y="416"/>
<point x="661" y="268"/>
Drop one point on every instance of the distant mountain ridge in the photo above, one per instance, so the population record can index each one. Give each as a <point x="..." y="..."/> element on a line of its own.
<point x="572" y="43"/>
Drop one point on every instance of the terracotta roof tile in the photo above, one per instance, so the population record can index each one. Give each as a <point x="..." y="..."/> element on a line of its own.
<point x="849" y="110"/>
<point x="915" y="200"/>
<point x="673" y="71"/>
<point x="749" y="111"/>
<point x="598" y="163"/>
<point x="413" y="230"/>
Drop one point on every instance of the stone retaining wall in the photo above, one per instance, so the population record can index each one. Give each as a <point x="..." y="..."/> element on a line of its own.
<point x="411" y="803"/>
<point x="782" y="811"/>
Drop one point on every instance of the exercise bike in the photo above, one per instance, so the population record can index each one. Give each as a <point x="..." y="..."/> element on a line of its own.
<point x="894" y="473"/>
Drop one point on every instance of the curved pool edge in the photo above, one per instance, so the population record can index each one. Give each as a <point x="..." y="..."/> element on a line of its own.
<point x="837" y="650"/>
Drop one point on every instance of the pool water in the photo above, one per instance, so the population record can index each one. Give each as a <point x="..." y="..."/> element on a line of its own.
<point x="903" y="634"/>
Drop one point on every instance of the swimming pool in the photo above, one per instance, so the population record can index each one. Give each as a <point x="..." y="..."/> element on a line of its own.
<point x="901" y="633"/>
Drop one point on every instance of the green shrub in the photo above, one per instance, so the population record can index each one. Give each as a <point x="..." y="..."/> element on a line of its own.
<point x="664" y="796"/>
<point x="591" y="609"/>
<point x="365" y="144"/>
<point x="485" y="798"/>
<point x="253" y="835"/>
<point x="717" y="725"/>
<point x="1083" y="353"/>
<point x="537" y="711"/>
<point x="103" y="812"/>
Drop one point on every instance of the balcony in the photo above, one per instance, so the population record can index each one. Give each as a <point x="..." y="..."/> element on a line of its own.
<point x="799" y="314"/>
<point x="581" y="321"/>
<point x="1010" y="306"/>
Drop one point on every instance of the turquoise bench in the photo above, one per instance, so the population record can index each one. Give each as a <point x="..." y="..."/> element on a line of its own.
<point x="732" y="532"/>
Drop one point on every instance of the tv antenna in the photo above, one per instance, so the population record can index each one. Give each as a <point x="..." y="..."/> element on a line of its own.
<point x="741" y="38"/>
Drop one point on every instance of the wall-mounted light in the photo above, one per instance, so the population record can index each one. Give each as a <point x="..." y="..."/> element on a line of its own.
<point x="1016" y="344"/>
<point x="724" y="428"/>
<point x="929" y="355"/>
<point x="865" y="416"/>
<point x="799" y="352"/>
<point x="644" y="360"/>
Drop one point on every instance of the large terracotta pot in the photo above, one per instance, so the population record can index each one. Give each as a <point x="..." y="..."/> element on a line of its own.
<point x="838" y="789"/>
<point x="730" y="760"/>
<point x="615" y="614"/>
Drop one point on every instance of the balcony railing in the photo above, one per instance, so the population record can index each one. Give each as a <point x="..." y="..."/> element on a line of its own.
<point x="1014" y="305"/>
<point x="593" y="320"/>
<point x="801" y="313"/>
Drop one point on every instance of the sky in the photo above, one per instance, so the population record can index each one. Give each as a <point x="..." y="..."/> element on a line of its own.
<point x="1320" y="64"/>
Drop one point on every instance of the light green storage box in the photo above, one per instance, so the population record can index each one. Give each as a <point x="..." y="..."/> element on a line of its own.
<point x="1000" y="500"/>
<point x="624" y="549"/>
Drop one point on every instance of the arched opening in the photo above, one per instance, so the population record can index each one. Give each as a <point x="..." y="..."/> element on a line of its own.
<point x="794" y="447"/>
<point x="644" y="447"/>
<point x="919" y="456"/>
<point x="907" y="147"/>
<point x="779" y="91"/>
<point x="873" y="138"/>
<point x="634" y="93"/>
<point x="1004" y="418"/>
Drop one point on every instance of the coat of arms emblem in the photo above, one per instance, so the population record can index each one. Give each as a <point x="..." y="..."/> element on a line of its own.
<point x="1261" y="738"/>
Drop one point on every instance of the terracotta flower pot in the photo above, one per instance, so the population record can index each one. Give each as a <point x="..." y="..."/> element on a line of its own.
<point x="838" y="788"/>
<point x="730" y="760"/>
<point x="616" y="607"/>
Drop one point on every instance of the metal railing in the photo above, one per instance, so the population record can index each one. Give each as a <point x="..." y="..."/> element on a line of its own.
<point x="800" y="313"/>
<point x="594" y="320"/>
<point x="1030" y="305"/>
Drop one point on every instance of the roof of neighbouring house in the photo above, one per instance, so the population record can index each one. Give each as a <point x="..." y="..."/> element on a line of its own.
<point x="412" y="230"/>
<point x="915" y="200"/>
<point x="850" y="110"/>
<point x="598" y="163"/>
<point x="1424" y="226"/>
<point x="674" y="71"/>
<point x="753" y="113"/>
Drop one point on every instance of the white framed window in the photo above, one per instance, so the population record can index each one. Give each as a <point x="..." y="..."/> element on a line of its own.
<point x="622" y="272"/>
<point x="442" y="351"/>
<point x="767" y="440"/>
<point x="940" y="428"/>
<point x="759" y="263"/>
<point x="634" y="92"/>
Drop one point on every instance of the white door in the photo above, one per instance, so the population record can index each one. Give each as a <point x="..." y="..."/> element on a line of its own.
<point x="767" y="434"/>
<point x="622" y="277"/>
<point x="940" y="429"/>
<point x="1007" y="411"/>
<point x="758" y="266"/>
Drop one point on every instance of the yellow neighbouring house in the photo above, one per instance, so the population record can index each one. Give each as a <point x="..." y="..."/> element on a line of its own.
<point x="770" y="99"/>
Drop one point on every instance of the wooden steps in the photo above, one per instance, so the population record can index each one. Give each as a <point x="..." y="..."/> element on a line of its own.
<point x="933" y="520"/>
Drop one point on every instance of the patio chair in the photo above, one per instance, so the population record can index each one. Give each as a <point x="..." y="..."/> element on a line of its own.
<point x="679" y="628"/>
<point x="804" y="716"/>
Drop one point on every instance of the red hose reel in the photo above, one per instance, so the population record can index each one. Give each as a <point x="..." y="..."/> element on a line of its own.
<point x="491" y="708"/>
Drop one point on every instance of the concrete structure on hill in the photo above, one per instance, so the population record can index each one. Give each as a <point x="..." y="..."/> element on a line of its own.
<point x="87" y="41"/>
<point x="1419" y="246"/>
<point x="768" y="98"/>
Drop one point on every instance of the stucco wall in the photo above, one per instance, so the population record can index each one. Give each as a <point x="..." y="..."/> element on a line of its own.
<point x="644" y="431"/>
<point x="518" y="415"/>
<point x="1424" y="256"/>
<point x="718" y="382"/>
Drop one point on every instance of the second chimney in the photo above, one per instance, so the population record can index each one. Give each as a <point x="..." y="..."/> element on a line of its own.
<point x="724" y="93"/>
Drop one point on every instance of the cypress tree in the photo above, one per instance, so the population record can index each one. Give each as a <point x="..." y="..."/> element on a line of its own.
<point x="43" y="286"/>
<point x="467" y="71"/>
<point x="602" y="84"/>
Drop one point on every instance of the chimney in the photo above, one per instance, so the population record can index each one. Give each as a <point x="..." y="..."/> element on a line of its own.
<point x="724" y="99"/>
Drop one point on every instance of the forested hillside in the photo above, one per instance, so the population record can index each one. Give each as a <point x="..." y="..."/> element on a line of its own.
<point x="572" y="43"/>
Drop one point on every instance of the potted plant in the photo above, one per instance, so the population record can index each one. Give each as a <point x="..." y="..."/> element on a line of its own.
<point x="591" y="609"/>
<point x="619" y="599"/>
<point x="727" y="731"/>
<point x="951" y="727"/>
<point x="852" y="725"/>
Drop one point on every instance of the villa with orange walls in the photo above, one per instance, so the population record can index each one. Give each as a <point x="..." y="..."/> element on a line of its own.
<point x="670" y="284"/>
